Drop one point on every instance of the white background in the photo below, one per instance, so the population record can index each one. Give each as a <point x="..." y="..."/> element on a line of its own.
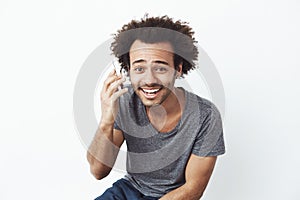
<point x="254" y="44"/>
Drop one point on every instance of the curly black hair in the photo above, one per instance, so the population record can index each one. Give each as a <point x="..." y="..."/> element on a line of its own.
<point x="153" y="30"/>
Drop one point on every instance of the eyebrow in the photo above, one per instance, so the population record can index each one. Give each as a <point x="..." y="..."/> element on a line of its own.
<point x="156" y="61"/>
<point x="138" y="61"/>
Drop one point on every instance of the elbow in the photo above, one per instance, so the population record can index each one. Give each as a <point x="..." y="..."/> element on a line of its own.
<point x="196" y="195"/>
<point x="100" y="172"/>
<point x="195" y="192"/>
<point x="98" y="175"/>
<point x="98" y="169"/>
<point x="200" y="196"/>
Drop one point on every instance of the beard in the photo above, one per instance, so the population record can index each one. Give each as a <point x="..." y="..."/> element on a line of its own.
<point x="153" y="94"/>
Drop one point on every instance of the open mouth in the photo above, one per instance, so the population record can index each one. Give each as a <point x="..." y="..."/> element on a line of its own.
<point x="150" y="93"/>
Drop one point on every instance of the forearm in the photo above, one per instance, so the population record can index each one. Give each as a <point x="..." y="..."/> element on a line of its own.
<point x="104" y="148"/>
<point x="102" y="152"/>
<point x="182" y="193"/>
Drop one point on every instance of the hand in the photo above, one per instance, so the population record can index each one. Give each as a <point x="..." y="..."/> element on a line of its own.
<point x="109" y="97"/>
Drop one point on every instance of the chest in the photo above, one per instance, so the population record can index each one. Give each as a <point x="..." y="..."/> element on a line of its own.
<point x="165" y="124"/>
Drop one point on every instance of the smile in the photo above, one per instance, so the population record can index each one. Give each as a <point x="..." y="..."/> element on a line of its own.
<point x="150" y="93"/>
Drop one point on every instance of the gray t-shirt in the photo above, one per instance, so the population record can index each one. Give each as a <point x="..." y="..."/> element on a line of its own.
<point x="156" y="161"/>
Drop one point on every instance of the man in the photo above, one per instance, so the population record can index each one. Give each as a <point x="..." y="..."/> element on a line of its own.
<point x="173" y="137"/>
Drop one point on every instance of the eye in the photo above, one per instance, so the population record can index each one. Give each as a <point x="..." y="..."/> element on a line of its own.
<point x="138" y="69"/>
<point x="161" y="69"/>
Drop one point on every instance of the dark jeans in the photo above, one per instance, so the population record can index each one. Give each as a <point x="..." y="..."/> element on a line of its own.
<point x="123" y="190"/>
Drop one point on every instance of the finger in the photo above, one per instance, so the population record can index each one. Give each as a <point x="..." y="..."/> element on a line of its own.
<point x="108" y="81"/>
<point x="114" y="72"/>
<point x="114" y="86"/>
<point x="119" y="93"/>
<point x="111" y="88"/>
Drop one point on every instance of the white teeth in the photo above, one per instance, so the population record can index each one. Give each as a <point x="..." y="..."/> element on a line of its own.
<point x="150" y="91"/>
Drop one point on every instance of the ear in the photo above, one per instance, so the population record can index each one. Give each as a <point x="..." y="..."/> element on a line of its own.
<point x="179" y="70"/>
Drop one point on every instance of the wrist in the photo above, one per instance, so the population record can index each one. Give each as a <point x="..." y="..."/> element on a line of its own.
<point x="106" y="126"/>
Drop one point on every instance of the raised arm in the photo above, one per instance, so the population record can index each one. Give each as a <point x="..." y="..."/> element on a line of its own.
<point x="104" y="148"/>
<point x="197" y="174"/>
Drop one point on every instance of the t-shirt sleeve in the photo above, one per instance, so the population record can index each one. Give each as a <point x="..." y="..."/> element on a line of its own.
<point x="210" y="139"/>
<point x="117" y="123"/>
<point x="116" y="126"/>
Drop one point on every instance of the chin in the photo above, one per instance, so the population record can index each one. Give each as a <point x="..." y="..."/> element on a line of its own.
<point x="150" y="103"/>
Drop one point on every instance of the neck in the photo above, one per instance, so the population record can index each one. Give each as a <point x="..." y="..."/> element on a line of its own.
<point x="173" y="105"/>
<point x="164" y="117"/>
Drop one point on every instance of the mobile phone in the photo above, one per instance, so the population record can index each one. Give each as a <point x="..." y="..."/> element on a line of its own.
<point x="125" y="74"/>
<point x="121" y="72"/>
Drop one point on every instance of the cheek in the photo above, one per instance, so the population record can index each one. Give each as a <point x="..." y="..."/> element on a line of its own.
<point x="167" y="78"/>
<point x="163" y="79"/>
<point x="134" y="79"/>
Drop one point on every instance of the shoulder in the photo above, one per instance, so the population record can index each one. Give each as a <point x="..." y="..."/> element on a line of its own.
<point x="204" y="105"/>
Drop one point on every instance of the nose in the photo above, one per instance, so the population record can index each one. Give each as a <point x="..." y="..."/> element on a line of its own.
<point x="149" y="77"/>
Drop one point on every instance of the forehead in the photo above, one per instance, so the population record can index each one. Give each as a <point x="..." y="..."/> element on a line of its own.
<point x="140" y="49"/>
